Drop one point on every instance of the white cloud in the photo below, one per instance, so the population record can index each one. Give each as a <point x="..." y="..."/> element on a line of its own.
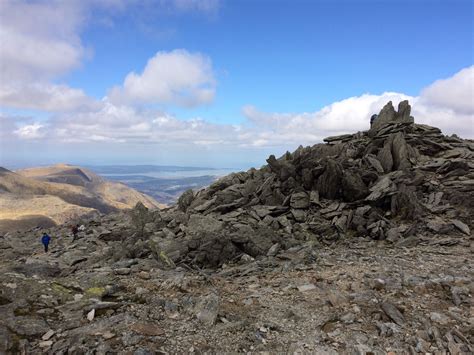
<point x="207" y="6"/>
<point x="40" y="40"/>
<point x="32" y="131"/>
<point x="455" y="93"/>
<point x="345" y="116"/>
<point x="176" y="77"/>
<point x="46" y="97"/>
<point x="128" y="125"/>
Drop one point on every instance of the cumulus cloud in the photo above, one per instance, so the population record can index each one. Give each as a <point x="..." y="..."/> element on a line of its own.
<point x="40" y="40"/>
<point x="345" y="116"/>
<point x="455" y="93"/>
<point x="31" y="131"/>
<point x="46" y="97"/>
<point x="176" y="77"/>
<point x="124" y="124"/>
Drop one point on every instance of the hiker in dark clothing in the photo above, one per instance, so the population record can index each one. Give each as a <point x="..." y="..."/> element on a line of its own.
<point x="373" y="118"/>
<point x="74" y="230"/>
<point x="45" y="240"/>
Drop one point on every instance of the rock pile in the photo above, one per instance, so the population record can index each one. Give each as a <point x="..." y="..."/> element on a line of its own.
<point x="397" y="179"/>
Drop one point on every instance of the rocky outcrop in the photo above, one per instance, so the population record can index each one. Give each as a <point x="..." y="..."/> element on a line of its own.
<point x="363" y="184"/>
<point x="389" y="116"/>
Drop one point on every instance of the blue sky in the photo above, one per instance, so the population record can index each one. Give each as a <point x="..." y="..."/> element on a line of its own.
<point x="260" y="76"/>
<point x="292" y="55"/>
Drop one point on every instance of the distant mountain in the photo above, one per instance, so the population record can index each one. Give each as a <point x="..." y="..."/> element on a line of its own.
<point x="165" y="190"/>
<point x="57" y="194"/>
<point x="165" y="183"/>
<point x="142" y="169"/>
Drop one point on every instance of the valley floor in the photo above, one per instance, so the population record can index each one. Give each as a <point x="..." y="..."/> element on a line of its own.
<point x="355" y="296"/>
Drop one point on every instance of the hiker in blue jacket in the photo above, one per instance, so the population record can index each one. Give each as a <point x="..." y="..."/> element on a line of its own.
<point x="45" y="240"/>
<point x="372" y="119"/>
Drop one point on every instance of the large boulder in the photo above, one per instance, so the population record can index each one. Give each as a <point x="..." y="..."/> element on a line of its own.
<point x="283" y="169"/>
<point x="353" y="187"/>
<point x="400" y="152"/>
<point x="384" y="156"/>
<point x="329" y="182"/>
<point x="168" y="251"/>
<point x="213" y="247"/>
<point x="203" y="224"/>
<point x="185" y="200"/>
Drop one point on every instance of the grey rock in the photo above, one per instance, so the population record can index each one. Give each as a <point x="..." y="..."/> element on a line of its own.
<point x="38" y="268"/>
<point x="275" y="248"/>
<point x="307" y="287"/>
<point x="437" y="225"/>
<point x="130" y="339"/>
<point x="27" y="326"/>
<point x="384" y="187"/>
<point x="388" y="329"/>
<point x="393" y="235"/>
<point x="45" y="344"/>
<point x="314" y="197"/>
<point x="353" y="186"/>
<point x="122" y="271"/>
<point x="48" y="334"/>
<point x="125" y="263"/>
<point x="439" y="318"/>
<point x="461" y="226"/>
<point x="375" y="163"/>
<point x="329" y="182"/>
<point x="299" y="200"/>
<point x="185" y="200"/>
<point x="341" y="138"/>
<point x="385" y="116"/>
<point x="348" y="318"/>
<point x="299" y="215"/>
<point x="400" y="152"/>
<point x="384" y="156"/>
<point x="207" y="309"/>
<point x="393" y="313"/>
<point x="147" y="329"/>
<point x="199" y="223"/>
<point x="388" y="115"/>
<point x="168" y="251"/>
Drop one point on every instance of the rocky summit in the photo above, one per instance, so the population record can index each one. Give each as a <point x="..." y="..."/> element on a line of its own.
<point x="358" y="245"/>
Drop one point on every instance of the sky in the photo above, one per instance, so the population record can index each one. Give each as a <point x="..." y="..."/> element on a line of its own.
<point x="222" y="83"/>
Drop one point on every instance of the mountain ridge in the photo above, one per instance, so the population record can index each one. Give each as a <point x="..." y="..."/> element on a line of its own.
<point x="61" y="193"/>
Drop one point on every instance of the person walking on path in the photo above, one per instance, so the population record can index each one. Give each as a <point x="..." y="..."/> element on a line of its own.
<point x="45" y="240"/>
<point x="74" y="230"/>
<point x="372" y="119"/>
